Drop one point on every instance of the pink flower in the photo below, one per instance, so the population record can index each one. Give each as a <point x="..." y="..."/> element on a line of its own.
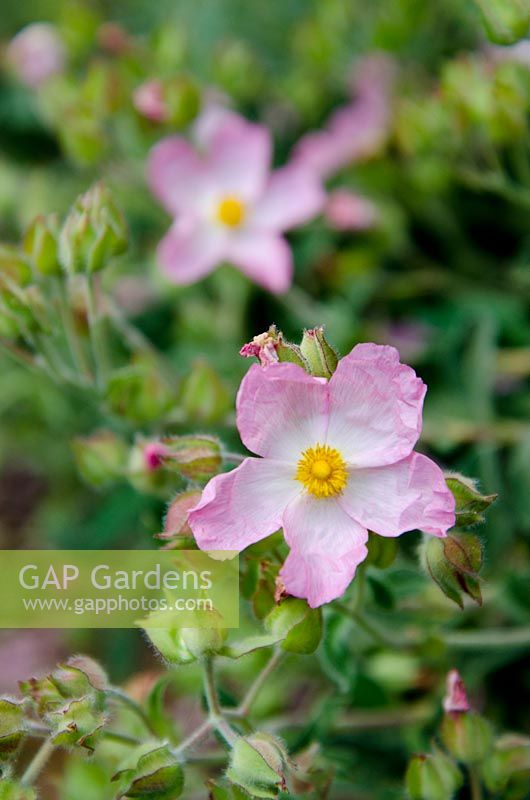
<point x="228" y="205"/>
<point x="346" y="211"/>
<point x="336" y="461"/>
<point x="455" y="700"/>
<point x="37" y="53"/>
<point x="356" y="131"/>
<point x="148" y="99"/>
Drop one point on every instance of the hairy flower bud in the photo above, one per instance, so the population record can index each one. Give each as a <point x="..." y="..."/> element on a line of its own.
<point x="508" y="766"/>
<point x="151" y="772"/>
<point x="12" y="730"/>
<point x="176" y="528"/>
<point x="470" y="503"/>
<point x="455" y="700"/>
<point x="41" y="244"/>
<point x="12" y="790"/>
<point x="506" y="21"/>
<point x="101" y="458"/>
<point x="197" y="458"/>
<point x="203" y="396"/>
<point x="271" y="347"/>
<point x="320" y="356"/>
<point x="432" y="777"/>
<point x="258" y="764"/>
<point x="140" y="392"/>
<point x="94" y="232"/>
<point x="297" y="626"/>
<point x="467" y="736"/>
<point x="182" y="645"/>
<point x="77" y="723"/>
<point x="454" y="564"/>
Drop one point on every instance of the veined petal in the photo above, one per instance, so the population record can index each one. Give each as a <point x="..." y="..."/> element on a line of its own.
<point x="375" y="407"/>
<point x="281" y="411"/>
<point x="241" y="507"/>
<point x="292" y="197"/>
<point x="264" y="257"/>
<point x="240" y="156"/>
<point x="326" y="547"/>
<point x="190" y="250"/>
<point x="177" y="176"/>
<point x="400" y="497"/>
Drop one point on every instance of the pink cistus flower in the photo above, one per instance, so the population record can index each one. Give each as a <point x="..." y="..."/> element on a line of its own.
<point x="355" y="131"/>
<point x="228" y="205"/>
<point x="336" y="461"/>
<point x="37" y="53"/>
<point x="455" y="700"/>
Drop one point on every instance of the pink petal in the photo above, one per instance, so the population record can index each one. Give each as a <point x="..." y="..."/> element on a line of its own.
<point x="176" y="175"/>
<point x="264" y="257"/>
<point x="241" y="507"/>
<point x="376" y="405"/>
<point x="400" y="497"/>
<point x="240" y="156"/>
<point x="281" y="411"/>
<point x="292" y="197"/>
<point x="190" y="250"/>
<point x="326" y="547"/>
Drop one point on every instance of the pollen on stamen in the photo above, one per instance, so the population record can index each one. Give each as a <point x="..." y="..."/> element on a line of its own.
<point x="322" y="470"/>
<point x="231" y="211"/>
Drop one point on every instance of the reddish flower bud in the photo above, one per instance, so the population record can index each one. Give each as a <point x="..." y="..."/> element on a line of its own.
<point x="455" y="700"/>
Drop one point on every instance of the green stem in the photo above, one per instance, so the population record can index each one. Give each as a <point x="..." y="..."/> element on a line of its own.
<point x="216" y="716"/>
<point x="194" y="737"/>
<point x="75" y="346"/>
<point x="475" y="784"/>
<point x="132" y="705"/>
<point x="260" y="680"/>
<point x="37" y="764"/>
<point x="99" y="345"/>
<point x="382" y="637"/>
<point x="121" y="738"/>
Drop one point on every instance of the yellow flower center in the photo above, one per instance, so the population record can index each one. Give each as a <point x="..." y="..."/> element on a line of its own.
<point x="322" y="470"/>
<point x="231" y="211"/>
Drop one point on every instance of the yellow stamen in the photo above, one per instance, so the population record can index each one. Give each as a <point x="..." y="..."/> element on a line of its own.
<point x="231" y="211"/>
<point x="322" y="470"/>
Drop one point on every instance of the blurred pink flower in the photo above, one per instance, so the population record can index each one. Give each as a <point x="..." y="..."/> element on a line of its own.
<point x="455" y="700"/>
<point x="346" y="211"/>
<point x="337" y="460"/>
<point x="148" y="99"/>
<point x="355" y="131"/>
<point x="37" y="53"/>
<point x="228" y="205"/>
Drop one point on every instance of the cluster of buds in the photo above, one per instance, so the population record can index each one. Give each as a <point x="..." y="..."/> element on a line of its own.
<point x="184" y="645"/>
<point x="259" y="764"/>
<point x="94" y="232"/>
<point x="314" y="353"/>
<point x="71" y="702"/>
<point x="12" y="729"/>
<point x="174" y="101"/>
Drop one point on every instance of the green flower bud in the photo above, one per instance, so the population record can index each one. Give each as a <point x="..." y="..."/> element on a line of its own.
<point x="506" y="21"/>
<point x="182" y="99"/>
<point x="11" y="790"/>
<point x="470" y="503"/>
<point x="179" y="645"/>
<point x="320" y="356"/>
<point x="197" y="458"/>
<point x="82" y="135"/>
<point x="79" y="677"/>
<point x="296" y="625"/>
<point x="508" y="765"/>
<point x="140" y="392"/>
<point x="203" y="396"/>
<point x="432" y="777"/>
<point x="14" y="267"/>
<point x="454" y="564"/>
<point x="11" y="728"/>
<point x="100" y="458"/>
<point x="77" y="723"/>
<point x="258" y="764"/>
<point x="467" y="736"/>
<point x="154" y="774"/>
<point x="41" y="244"/>
<point x="94" y="232"/>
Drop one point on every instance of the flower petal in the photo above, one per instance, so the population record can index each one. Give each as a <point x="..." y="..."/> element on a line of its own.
<point x="281" y="411"/>
<point x="292" y="197"/>
<point x="326" y="547"/>
<point x="240" y="156"/>
<point x="375" y="407"/>
<point x="400" y="497"/>
<point x="176" y="175"/>
<point x="190" y="250"/>
<point x="241" y="507"/>
<point x="264" y="257"/>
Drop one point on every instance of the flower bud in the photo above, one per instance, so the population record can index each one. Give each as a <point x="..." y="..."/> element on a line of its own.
<point x="470" y="504"/>
<point x="140" y="392"/>
<point x="41" y="244"/>
<point x="77" y="723"/>
<point x="506" y="21"/>
<point x="197" y="458"/>
<point x="154" y="774"/>
<point x="297" y="626"/>
<point x="258" y="764"/>
<point x="454" y="563"/>
<point x="37" y="53"/>
<point x="182" y="645"/>
<point x="508" y="766"/>
<point x="94" y="232"/>
<point x="203" y="396"/>
<point x="270" y="347"/>
<point x="176" y="528"/>
<point x="432" y="777"/>
<point x="12" y="790"/>
<point x="14" y="267"/>
<point x="455" y="700"/>
<point x="467" y="736"/>
<point x="82" y="135"/>
<point x="320" y="356"/>
<point x="182" y="100"/>
<point x="80" y="677"/>
<point x="101" y="458"/>
<point x="11" y="728"/>
<point x="149" y="101"/>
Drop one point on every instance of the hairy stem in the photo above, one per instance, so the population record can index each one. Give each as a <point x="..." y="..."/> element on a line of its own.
<point x="132" y="705"/>
<point x="259" y="682"/>
<point x="37" y="763"/>
<point x="216" y="716"/>
<point x="99" y="347"/>
<point x="474" y="784"/>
